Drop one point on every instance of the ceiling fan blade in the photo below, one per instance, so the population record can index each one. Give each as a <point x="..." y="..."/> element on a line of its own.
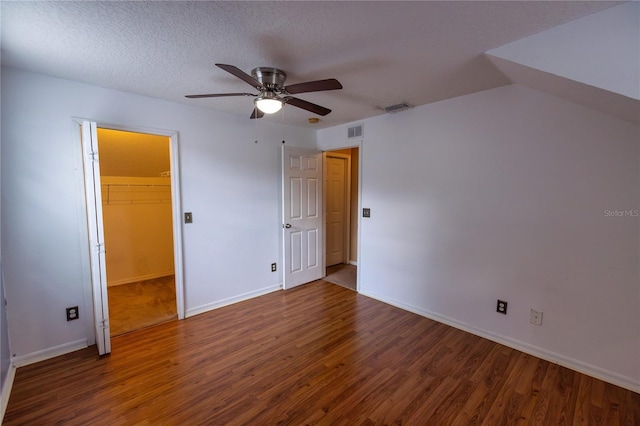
<point x="241" y="75"/>
<point x="218" y="95"/>
<point x="256" y="113"/>
<point x="316" y="109"/>
<point x="314" y="86"/>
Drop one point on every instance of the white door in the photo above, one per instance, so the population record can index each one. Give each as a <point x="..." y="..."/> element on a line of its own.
<point x="96" y="236"/>
<point x="337" y="206"/>
<point x="302" y="216"/>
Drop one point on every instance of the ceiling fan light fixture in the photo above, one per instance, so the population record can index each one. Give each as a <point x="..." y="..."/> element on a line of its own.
<point x="268" y="103"/>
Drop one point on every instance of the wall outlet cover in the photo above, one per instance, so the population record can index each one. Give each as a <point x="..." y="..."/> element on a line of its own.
<point x="502" y="307"/>
<point x="535" y="317"/>
<point x="72" y="313"/>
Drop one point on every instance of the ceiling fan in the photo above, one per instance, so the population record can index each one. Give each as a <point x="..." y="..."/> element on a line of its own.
<point x="272" y="93"/>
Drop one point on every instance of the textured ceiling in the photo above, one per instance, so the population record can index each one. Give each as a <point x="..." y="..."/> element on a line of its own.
<point x="383" y="53"/>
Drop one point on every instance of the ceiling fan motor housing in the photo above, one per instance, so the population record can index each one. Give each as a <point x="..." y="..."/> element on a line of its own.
<point x="271" y="77"/>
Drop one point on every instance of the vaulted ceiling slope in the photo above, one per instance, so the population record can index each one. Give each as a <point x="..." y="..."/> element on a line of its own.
<point x="594" y="61"/>
<point x="383" y="53"/>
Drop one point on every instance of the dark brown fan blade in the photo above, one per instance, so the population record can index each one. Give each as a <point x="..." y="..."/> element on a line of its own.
<point x="316" y="109"/>
<point x="256" y="113"/>
<point x="241" y="75"/>
<point x="314" y="86"/>
<point x="218" y="95"/>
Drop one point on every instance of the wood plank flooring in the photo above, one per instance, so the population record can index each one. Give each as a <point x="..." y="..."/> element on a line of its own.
<point x="317" y="354"/>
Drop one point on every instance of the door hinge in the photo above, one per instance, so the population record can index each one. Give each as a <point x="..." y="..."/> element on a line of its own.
<point x="100" y="248"/>
<point x="93" y="156"/>
<point x="104" y="323"/>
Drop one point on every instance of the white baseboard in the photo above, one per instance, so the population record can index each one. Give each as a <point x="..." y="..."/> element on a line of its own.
<point x="6" y="390"/>
<point x="22" y="360"/>
<point x="353" y="262"/>
<point x="231" y="300"/>
<point x="139" y="278"/>
<point x="553" y="357"/>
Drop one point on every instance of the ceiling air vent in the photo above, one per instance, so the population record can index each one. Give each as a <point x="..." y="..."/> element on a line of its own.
<point x="398" y="107"/>
<point x="355" y="131"/>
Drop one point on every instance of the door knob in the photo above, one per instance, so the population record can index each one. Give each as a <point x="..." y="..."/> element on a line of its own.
<point x="288" y="225"/>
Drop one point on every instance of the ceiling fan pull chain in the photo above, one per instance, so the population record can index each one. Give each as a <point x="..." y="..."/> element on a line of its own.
<point x="282" y="123"/>
<point x="255" y="124"/>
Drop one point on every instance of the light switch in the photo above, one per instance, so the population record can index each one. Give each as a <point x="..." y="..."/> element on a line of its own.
<point x="188" y="217"/>
<point x="366" y="212"/>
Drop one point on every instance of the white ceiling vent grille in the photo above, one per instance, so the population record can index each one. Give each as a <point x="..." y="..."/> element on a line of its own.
<point x="355" y="131"/>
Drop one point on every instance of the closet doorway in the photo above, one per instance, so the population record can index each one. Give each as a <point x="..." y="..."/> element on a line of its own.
<point x="341" y="216"/>
<point x="135" y="176"/>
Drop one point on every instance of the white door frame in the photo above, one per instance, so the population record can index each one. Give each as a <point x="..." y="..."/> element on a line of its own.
<point x="176" y="201"/>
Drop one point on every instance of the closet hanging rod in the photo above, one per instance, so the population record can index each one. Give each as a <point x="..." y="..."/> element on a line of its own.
<point x="137" y="184"/>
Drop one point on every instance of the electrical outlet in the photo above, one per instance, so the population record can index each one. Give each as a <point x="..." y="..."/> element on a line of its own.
<point x="72" y="313"/>
<point x="273" y="267"/>
<point x="502" y="307"/>
<point x="535" y="317"/>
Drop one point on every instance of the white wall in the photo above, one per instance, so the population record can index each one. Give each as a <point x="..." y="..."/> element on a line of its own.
<point x="503" y="194"/>
<point x="5" y="355"/>
<point x="230" y="183"/>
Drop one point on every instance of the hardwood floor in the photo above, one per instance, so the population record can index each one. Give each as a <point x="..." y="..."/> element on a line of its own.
<point x="142" y="304"/>
<point x="317" y="354"/>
